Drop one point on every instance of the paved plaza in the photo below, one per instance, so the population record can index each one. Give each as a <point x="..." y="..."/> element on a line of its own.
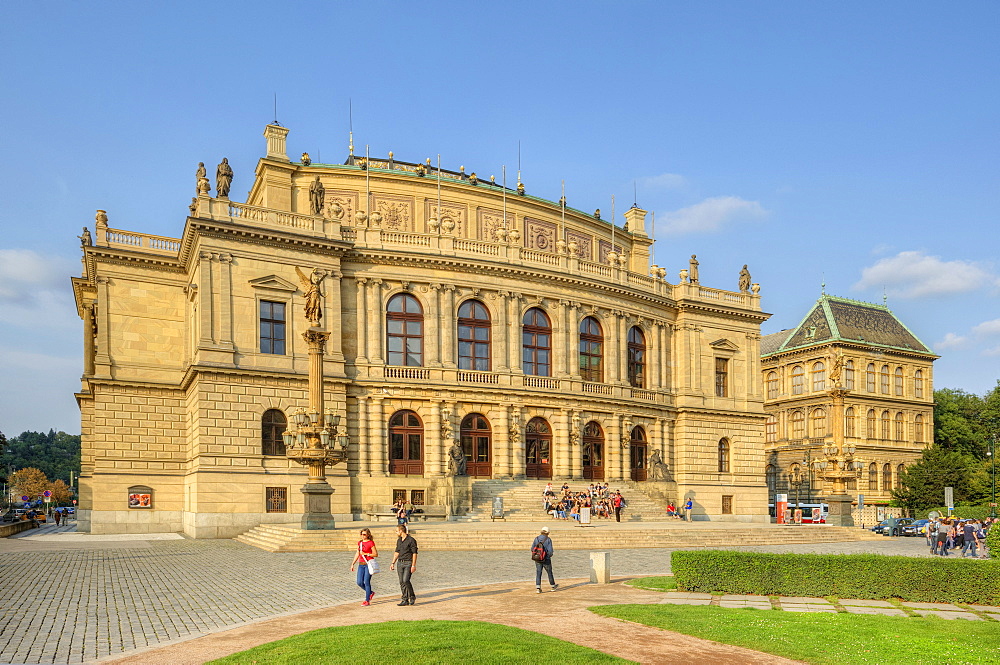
<point x="70" y="598"/>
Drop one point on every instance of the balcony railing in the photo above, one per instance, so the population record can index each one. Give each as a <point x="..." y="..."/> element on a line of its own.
<point x="541" y="382"/>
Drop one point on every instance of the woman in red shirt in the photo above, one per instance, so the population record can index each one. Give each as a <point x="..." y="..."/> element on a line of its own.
<point x="366" y="552"/>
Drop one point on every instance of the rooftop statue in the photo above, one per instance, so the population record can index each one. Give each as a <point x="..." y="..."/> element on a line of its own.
<point x="200" y="175"/>
<point x="85" y="239"/>
<point x="744" y="279"/>
<point x="693" y="269"/>
<point x="306" y="159"/>
<point x="223" y="179"/>
<point x="316" y="192"/>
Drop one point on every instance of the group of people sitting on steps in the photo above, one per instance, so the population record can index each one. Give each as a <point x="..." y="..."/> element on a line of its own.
<point x="564" y="504"/>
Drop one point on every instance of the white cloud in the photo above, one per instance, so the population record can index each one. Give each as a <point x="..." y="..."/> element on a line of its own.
<point x="951" y="341"/>
<point x="35" y="289"/>
<point x="914" y="274"/>
<point x="712" y="214"/>
<point x="987" y="328"/>
<point x="662" y="181"/>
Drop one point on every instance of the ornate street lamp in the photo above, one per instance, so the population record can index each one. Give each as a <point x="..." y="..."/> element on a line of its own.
<point x="838" y="466"/>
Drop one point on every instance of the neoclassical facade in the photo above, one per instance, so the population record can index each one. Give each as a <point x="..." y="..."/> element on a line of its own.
<point x="850" y="373"/>
<point x="535" y="336"/>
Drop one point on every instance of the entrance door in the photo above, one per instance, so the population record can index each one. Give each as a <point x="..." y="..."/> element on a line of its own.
<point x="593" y="452"/>
<point x="406" y="444"/>
<point x="476" y="438"/>
<point x="637" y="454"/>
<point x="538" y="449"/>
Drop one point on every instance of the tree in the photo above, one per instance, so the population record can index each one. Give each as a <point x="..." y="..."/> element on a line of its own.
<point x="61" y="492"/>
<point x="922" y="484"/>
<point x="960" y="421"/>
<point x="30" y="482"/>
<point x="56" y="454"/>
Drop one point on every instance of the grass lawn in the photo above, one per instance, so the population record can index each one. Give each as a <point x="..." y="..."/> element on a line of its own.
<point x="826" y="638"/>
<point x="658" y="583"/>
<point x="419" y="642"/>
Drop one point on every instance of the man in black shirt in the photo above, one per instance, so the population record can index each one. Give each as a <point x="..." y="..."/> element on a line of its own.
<point x="406" y="556"/>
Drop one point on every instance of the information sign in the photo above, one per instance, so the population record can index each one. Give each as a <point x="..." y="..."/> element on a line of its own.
<point x="496" y="513"/>
<point x="781" y="508"/>
<point x="861" y="502"/>
<point x="949" y="498"/>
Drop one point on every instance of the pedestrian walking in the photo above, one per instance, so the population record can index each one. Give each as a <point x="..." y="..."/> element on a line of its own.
<point x="618" y="502"/>
<point x="941" y="538"/>
<point x="58" y="515"/>
<point x="406" y="558"/>
<point x="367" y="564"/>
<point x="968" y="530"/>
<point x="541" y="554"/>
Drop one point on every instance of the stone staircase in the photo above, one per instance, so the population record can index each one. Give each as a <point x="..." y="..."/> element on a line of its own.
<point x="466" y="537"/>
<point x="522" y="501"/>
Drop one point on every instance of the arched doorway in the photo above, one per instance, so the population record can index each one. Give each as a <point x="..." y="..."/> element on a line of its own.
<point x="476" y="444"/>
<point x="406" y="444"/>
<point x="593" y="452"/>
<point x="538" y="449"/>
<point x="637" y="453"/>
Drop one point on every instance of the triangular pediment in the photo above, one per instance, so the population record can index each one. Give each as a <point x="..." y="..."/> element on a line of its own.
<point x="274" y="283"/>
<point x="724" y="344"/>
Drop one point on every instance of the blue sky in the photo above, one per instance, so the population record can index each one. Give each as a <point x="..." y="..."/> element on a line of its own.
<point x="853" y="142"/>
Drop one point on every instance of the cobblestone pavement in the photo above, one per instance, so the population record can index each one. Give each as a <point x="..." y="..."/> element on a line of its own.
<point x="69" y="601"/>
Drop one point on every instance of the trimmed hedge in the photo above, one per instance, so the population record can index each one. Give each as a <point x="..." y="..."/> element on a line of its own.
<point x="869" y="576"/>
<point x="962" y="512"/>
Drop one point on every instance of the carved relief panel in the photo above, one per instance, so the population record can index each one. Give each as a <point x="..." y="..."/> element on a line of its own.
<point x="604" y="247"/>
<point x="490" y="221"/>
<point x="455" y="212"/>
<point x="340" y="205"/>
<point x="585" y="242"/>
<point x="540" y="235"/>
<point x="396" y="211"/>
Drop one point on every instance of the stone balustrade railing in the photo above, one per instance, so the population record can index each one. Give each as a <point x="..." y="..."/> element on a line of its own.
<point x="369" y="237"/>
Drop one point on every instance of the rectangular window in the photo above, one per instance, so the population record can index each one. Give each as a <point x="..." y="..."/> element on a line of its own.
<point x="721" y="377"/>
<point x="276" y="499"/>
<point x="272" y="327"/>
<point x="417" y="497"/>
<point x="398" y="495"/>
<point x="727" y="504"/>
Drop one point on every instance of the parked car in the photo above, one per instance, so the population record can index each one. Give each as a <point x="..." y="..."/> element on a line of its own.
<point x="918" y="528"/>
<point x="10" y="516"/>
<point x="895" y="523"/>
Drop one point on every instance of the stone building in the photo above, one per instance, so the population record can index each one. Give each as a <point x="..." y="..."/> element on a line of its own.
<point x="536" y="336"/>
<point x="850" y="372"/>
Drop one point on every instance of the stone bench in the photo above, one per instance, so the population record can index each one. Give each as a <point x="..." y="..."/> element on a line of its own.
<point x="378" y="513"/>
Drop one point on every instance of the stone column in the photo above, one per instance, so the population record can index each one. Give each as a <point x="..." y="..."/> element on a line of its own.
<point x="514" y="334"/>
<point x="447" y="323"/>
<point x="378" y="423"/>
<point x="622" y="348"/>
<point x="499" y="334"/>
<point x="361" y="319"/>
<point x="560" y="346"/>
<point x="575" y="448"/>
<point x="102" y="359"/>
<point x="612" y="448"/>
<point x="375" y="314"/>
<point x="433" y="444"/>
<point x="573" y="349"/>
<point x="515" y="433"/>
<point x="432" y="335"/>
<point x="501" y="445"/>
<point x="334" y="315"/>
<point x="613" y="347"/>
<point x="364" y="448"/>
<point x="89" y="346"/>
<point x="225" y="297"/>
<point x="205" y="336"/>
<point x="561" y="446"/>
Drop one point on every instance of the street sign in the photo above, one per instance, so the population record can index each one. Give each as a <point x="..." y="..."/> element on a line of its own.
<point x="47" y="494"/>
<point x="949" y="498"/>
<point x="861" y="502"/>
<point x="74" y="502"/>
<point x="25" y="498"/>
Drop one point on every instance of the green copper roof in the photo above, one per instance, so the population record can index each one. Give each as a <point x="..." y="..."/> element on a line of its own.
<point x="835" y="319"/>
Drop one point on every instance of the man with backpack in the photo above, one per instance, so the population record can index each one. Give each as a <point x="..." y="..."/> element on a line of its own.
<point x="541" y="554"/>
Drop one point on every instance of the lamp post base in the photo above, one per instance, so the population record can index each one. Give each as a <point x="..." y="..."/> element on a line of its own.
<point x="840" y="510"/>
<point x="316" y="515"/>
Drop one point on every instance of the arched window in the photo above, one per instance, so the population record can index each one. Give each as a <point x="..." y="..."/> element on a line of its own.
<point x="918" y="384"/>
<point x="870" y="378"/>
<point x="591" y="350"/>
<point x="918" y="428"/>
<point x="899" y="427"/>
<point x="537" y="449"/>
<point x="870" y="424"/>
<point x="818" y="377"/>
<point x="406" y="443"/>
<point x="473" y="336"/>
<point x="798" y="378"/>
<point x="818" y="423"/>
<point x="273" y="425"/>
<point x="772" y="385"/>
<point x="849" y="430"/>
<point x="873" y="477"/>
<point x="883" y="377"/>
<point x="798" y="425"/>
<point x="536" y="347"/>
<point x="899" y="475"/>
<point x="476" y="438"/>
<point x="849" y="375"/>
<point x="771" y="429"/>
<point x="886" y="477"/>
<point x="593" y="452"/>
<point x="723" y="456"/>
<point x="404" y="325"/>
<point x="771" y="475"/>
<point x="899" y="381"/>
<point x="885" y="425"/>
<point x="636" y="357"/>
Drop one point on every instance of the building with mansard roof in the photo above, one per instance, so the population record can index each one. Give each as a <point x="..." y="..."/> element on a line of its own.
<point x="850" y="373"/>
<point x="535" y="336"/>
